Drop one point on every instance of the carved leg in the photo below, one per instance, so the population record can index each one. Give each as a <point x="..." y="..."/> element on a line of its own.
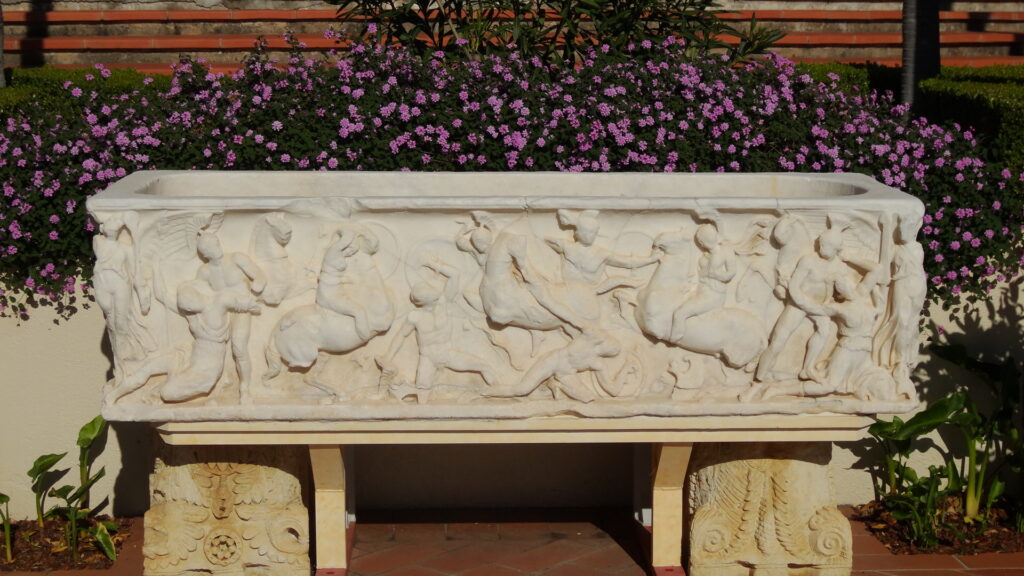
<point x="766" y="508"/>
<point x="223" y="511"/>
<point x="670" y="464"/>
<point x="331" y="516"/>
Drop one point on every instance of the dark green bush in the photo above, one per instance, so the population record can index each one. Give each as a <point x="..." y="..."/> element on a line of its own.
<point x="997" y="74"/>
<point x="865" y="77"/>
<point x="994" y="110"/>
<point x="12" y="97"/>
<point x="46" y="86"/>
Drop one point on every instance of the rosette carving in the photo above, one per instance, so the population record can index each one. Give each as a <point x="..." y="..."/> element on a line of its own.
<point x="217" y="511"/>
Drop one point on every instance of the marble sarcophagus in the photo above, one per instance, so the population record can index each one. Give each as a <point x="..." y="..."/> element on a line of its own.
<point x="328" y="309"/>
<point x="269" y="296"/>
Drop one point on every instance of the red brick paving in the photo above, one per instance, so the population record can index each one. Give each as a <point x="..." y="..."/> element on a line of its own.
<point x="605" y="546"/>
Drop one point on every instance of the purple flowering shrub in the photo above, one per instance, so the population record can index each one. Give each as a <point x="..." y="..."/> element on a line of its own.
<point x="652" y="108"/>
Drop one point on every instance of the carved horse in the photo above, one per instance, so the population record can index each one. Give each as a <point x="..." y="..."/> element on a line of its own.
<point x="732" y="334"/>
<point x="505" y="297"/>
<point x="352" y="307"/>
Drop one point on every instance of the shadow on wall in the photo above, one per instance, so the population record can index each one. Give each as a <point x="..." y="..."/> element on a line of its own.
<point x="131" y="487"/>
<point x="37" y="27"/>
<point x="990" y="332"/>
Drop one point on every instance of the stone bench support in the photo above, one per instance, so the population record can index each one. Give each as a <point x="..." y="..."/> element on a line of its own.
<point x="673" y="441"/>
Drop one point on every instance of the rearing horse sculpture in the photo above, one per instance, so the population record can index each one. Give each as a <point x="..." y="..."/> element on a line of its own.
<point x="352" y="306"/>
<point x="732" y="334"/>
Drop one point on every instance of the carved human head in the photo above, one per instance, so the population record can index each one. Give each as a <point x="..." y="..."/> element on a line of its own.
<point x="424" y="294"/>
<point x="111" y="225"/>
<point x="587" y="227"/>
<point x="829" y="243"/>
<point x="481" y="239"/>
<point x="784" y="230"/>
<point x="906" y="229"/>
<point x="706" y="236"/>
<point x="281" y="229"/>
<point x="208" y="247"/>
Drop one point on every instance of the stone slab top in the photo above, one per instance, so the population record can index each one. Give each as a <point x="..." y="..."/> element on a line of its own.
<point x="564" y="429"/>
<point x="431" y="191"/>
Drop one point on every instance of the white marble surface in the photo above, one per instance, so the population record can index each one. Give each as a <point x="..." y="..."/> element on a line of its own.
<point x="290" y="296"/>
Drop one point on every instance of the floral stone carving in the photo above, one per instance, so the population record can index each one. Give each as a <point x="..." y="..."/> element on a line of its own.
<point x="765" y="508"/>
<point x="220" y="511"/>
<point x="277" y="296"/>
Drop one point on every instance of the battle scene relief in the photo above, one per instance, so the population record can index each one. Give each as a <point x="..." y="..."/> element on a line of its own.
<point x="320" y="309"/>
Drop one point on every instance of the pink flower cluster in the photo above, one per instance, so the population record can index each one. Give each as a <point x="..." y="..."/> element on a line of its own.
<point x="383" y="108"/>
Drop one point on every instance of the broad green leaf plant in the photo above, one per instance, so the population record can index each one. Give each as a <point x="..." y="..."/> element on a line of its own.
<point x="86" y="437"/>
<point x="5" y="516"/>
<point x="41" y="482"/>
<point x="969" y="484"/>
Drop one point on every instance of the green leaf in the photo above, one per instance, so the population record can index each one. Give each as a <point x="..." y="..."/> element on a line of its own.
<point x="4" y="498"/>
<point x="63" y="492"/>
<point x="88" y="434"/>
<point x="77" y="495"/>
<point x="996" y="490"/>
<point x="930" y="418"/>
<point x="103" y="541"/>
<point x="43" y="464"/>
<point x="110" y="525"/>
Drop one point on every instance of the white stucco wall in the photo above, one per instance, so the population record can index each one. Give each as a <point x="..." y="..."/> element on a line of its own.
<point x="52" y="376"/>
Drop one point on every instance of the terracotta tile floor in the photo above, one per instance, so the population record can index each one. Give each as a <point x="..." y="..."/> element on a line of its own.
<point x="550" y="543"/>
<point x="578" y="543"/>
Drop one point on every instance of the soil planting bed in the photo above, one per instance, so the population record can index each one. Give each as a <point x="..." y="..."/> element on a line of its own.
<point x="45" y="550"/>
<point x="955" y="538"/>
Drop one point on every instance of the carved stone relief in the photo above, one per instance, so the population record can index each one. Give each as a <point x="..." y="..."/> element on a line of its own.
<point x="765" y="508"/>
<point x="219" y="511"/>
<point x="329" y="307"/>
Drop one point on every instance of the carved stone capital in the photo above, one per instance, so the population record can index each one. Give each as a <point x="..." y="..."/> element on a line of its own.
<point x="217" y="511"/>
<point x="767" y="506"/>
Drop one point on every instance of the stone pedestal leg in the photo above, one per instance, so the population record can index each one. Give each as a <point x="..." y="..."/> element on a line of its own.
<point x="226" y="511"/>
<point x="331" y="516"/>
<point x="670" y="464"/>
<point x="767" y="509"/>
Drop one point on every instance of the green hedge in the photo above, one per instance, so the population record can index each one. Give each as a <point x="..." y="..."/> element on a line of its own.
<point x="863" y="77"/>
<point x="993" y="109"/>
<point x="46" y="85"/>
<point x="994" y="74"/>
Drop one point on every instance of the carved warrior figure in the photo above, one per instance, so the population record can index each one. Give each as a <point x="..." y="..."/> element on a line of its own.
<point x="352" y="306"/>
<point x="237" y="276"/>
<point x="664" y="306"/>
<point x="195" y="373"/>
<point x="855" y="309"/>
<point x="571" y="302"/>
<point x="121" y="283"/>
<point x="444" y="339"/>
<point x="810" y="286"/>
